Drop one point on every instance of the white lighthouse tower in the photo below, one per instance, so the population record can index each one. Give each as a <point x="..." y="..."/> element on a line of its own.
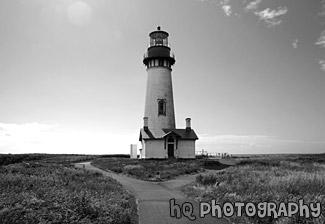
<point x="159" y="136"/>
<point x="159" y="107"/>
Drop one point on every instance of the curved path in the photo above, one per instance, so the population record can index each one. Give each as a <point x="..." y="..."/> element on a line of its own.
<point x="153" y="198"/>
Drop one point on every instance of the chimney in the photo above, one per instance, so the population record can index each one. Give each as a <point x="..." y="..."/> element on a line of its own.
<point x="145" y="123"/>
<point x="188" y="124"/>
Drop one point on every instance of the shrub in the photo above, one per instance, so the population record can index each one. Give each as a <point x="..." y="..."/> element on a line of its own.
<point x="134" y="170"/>
<point x="132" y="167"/>
<point x="206" y="179"/>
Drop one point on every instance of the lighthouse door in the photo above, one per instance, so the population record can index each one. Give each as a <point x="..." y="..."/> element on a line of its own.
<point x="170" y="147"/>
<point x="170" y="150"/>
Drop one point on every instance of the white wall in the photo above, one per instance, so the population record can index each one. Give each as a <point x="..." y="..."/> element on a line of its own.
<point x="143" y="150"/>
<point x="153" y="149"/>
<point x="186" y="149"/>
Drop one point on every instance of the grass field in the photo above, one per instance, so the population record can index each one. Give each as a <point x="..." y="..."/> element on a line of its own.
<point x="147" y="169"/>
<point x="39" y="192"/>
<point x="49" y="190"/>
<point x="266" y="179"/>
<point x="6" y="159"/>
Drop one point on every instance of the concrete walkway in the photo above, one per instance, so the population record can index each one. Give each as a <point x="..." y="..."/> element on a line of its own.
<point x="153" y="198"/>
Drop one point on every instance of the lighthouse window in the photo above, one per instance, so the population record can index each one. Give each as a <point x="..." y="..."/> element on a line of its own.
<point x="161" y="62"/>
<point x="161" y="107"/>
<point x="159" y="41"/>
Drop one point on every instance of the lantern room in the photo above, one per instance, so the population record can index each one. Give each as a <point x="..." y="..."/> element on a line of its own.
<point x="159" y="53"/>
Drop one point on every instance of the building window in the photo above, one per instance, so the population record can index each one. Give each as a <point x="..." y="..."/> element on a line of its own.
<point x="161" y="107"/>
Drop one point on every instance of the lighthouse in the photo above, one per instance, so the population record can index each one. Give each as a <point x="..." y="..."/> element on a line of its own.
<point x="159" y="136"/>
<point x="159" y="104"/>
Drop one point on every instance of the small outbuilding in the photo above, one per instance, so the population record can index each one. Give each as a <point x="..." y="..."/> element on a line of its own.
<point x="168" y="143"/>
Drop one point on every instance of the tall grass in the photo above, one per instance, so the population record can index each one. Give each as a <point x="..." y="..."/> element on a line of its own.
<point x="270" y="180"/>
<point x="52" y="193"/>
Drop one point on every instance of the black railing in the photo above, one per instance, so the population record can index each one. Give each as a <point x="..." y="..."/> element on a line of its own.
<point x="171" y="55"/>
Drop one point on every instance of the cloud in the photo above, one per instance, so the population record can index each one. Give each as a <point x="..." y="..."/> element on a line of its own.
<point x="235" y="142"/>
<point x="13" y="134"/>
<point x="24" y="129"/>
<point x="321" y="39"/>
<point x="45" y="138"/>
<point x="295" y="43"/>
<point x="253" y="5"/>
<point x="322" y="64"/>
<point x="232" y="138"/>
<point x="270" y="17"/>
<point x="227" y="9"/>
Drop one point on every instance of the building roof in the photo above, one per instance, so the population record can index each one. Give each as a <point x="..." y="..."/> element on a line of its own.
<point x="163" y="133"/>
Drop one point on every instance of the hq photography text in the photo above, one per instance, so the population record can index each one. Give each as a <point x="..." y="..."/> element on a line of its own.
<point x="250" y="209"/>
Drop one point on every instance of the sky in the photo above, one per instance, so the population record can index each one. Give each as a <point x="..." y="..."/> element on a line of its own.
<point x="250" y="74"/>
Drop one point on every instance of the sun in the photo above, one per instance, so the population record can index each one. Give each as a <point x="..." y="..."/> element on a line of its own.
<point x="79" y="13"/>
